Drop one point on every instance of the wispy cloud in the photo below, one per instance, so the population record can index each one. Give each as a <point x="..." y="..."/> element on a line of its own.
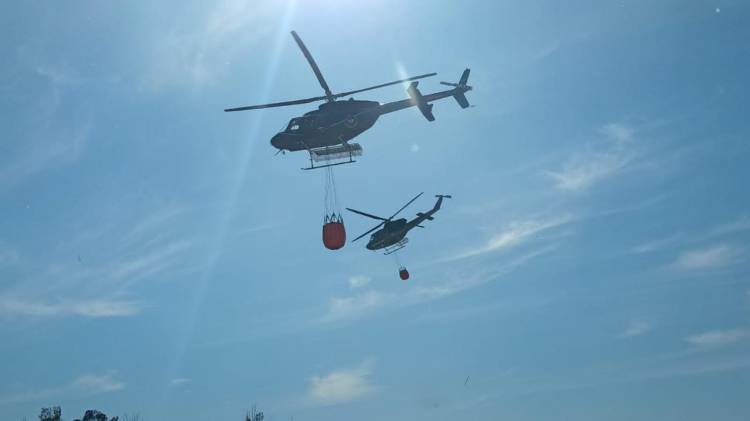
<point x="60" y="75"/>
<point x="179" y="381"/>
<point x="148" y="226"/>
<point x="201" y="52"/>
<point x="636" y="328"/>
<point x="102" y="285"/>
<point x="617" y="132"/>
<point x="342" y="385"/>
<point x="109" y="276"/>
<point x="547" y="50"/>
<point x="718" y="338"/>
<point x="11" y="306"/>
<point x="56" y="149"/>
<point x="341" y="308"/>
<point x="551" y="47"/>
<point x="706" y="258"/>
<point x="98" y="383"/>
<point x="514" y="234"/>
<point x="585" y="170"/>
<point x="740" y="224"/>
<point x="667" y="367"/>
<point x="367" y="302"/>
<point x="157" y="259"/>
<point x="44" y="143"/>
<point x="82" y="386"/>
<point x="655" y="245"/>
<point x="8" y="254"/>
<point x="254" y="229"/>
<point x="581" y="173"/>
<point x="359" y="281"/>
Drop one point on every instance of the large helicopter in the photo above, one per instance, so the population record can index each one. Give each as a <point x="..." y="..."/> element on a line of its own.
<point x="325" y="132"/>
<point x="392" y="237"/>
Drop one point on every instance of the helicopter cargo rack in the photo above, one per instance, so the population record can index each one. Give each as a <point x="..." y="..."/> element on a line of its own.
<point x="344" y="153"/>
<point x="396" y="247"/>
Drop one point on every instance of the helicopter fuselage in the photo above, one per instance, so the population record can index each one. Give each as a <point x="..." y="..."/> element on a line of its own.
<point x="324" y="132"/>
<point x="333" y="123"/>
<point x="394" y="231"/>
<point x="391" y="233"/>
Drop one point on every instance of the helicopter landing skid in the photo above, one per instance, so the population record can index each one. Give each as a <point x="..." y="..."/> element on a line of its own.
<point x="396" y="247"/>
<point x="345" y="151"/>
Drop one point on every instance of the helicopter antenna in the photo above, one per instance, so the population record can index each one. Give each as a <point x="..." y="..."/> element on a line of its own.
<point x="315" y="68"/>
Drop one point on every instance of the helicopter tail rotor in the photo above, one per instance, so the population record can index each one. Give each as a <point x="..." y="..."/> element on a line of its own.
<point x="460" y="88"/>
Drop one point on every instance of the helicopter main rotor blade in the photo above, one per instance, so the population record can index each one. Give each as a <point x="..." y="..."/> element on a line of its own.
<point x="373" y="229"/>
<point x="316" y="70"/>
<point x="383" y="85"/>
<point x="320" y="98"/>
<point x="277" y="104"/>
<point x="366" y="214"/>
<point x="407" y="204"/>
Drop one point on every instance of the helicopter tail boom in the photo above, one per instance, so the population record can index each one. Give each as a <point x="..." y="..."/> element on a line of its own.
<point x="422" y="216"/>
<point x="424" y="102"/>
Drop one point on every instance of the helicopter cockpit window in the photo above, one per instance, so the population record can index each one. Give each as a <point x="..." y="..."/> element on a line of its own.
<point x="295" y="124"/>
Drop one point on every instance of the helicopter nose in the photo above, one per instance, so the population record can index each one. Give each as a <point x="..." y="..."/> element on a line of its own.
<point x="276" y="142"/>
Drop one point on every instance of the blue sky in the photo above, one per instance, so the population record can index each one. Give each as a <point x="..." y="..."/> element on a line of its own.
<point x="593" y="264"/>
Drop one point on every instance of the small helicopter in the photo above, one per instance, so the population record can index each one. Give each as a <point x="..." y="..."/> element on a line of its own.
<point x="392" y="237"/>
<point x="325" y="132"/>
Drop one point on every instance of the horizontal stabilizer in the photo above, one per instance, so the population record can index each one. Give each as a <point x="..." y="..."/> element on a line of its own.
<point x="426" y="110"/>
<point x="461" y="99"/>
<point x="429" y="218"/>
<point x="419" y="101"/>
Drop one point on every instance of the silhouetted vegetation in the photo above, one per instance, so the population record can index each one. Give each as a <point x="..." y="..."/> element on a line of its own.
<point x="55" y="414"/>
<point x="94" y="415"/>
<point x="254" y="414"/>
<point x="51" y="414"/>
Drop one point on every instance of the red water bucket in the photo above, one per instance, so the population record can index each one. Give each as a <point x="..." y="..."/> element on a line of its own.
<point x="403" y="273"/>
<point x="334" y="235"/>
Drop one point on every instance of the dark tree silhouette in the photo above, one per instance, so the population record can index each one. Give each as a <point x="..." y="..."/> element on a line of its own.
<point x="94" y="415"/>
<point x="253" y="414"/>
<point x="51" y="414"/>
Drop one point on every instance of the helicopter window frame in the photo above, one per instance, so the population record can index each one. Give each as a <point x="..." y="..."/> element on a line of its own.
<point x="295" y="124"/>
<point x="299" y="123"/>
